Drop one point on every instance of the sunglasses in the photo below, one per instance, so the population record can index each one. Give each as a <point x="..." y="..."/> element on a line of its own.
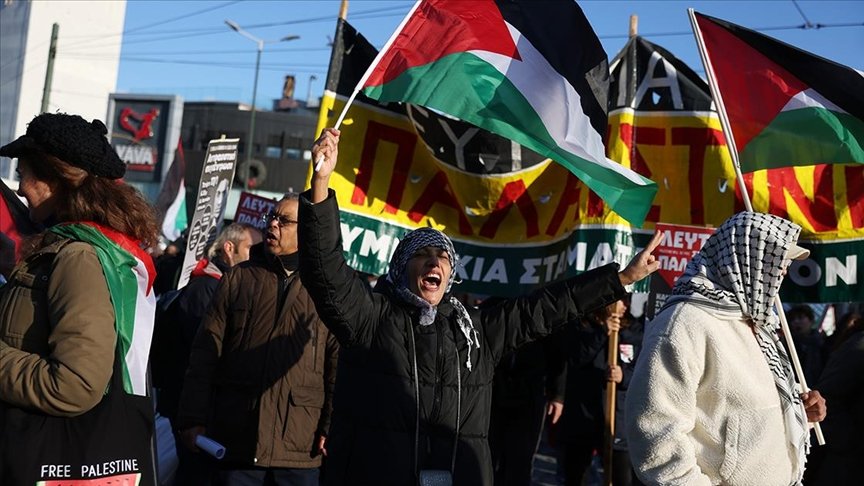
<point x="283" y="220"/>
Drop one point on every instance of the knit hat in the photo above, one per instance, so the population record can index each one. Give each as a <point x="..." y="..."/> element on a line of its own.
<point x="71" y="139"/>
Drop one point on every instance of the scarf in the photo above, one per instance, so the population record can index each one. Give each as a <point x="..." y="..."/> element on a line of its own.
<point x="397" y="276"/>
<point x="290" y="262"/>
<point x="129" y="273"/>
<point x="740" y="269"/>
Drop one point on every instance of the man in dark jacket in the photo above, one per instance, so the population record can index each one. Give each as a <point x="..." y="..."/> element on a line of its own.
<point x="179" y="319"/>
<point x="416" y="367"/>
<point x="262" y="367"/>
<point x="588" y="375"/>
<point x="178" y="316"/>
<point x="528" y="387"/>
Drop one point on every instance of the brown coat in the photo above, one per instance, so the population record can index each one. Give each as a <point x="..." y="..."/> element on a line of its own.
<point x="261" y="374"/>
<point x="56" y="330"/>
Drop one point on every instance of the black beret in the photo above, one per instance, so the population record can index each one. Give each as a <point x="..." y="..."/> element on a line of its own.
<point x="71" y="139"/>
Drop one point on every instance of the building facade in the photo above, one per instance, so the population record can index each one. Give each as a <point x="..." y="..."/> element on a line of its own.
<point x="85" y="67"/>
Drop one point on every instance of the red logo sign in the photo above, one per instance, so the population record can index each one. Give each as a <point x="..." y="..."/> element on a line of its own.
<point x="129" y="118"/>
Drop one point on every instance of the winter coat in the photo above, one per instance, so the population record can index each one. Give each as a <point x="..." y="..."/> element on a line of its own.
<point x="536" y="369"/>
<point x="842" y="385"/>
<point x="702" y="407"/>
<point x="262" y="368"/>
<point x="373" y="438"/>
<point x="57" y="337"/>
<point x="583" y="420"/>
<point x="178" y="315"/>
<point x="62" y="400"/>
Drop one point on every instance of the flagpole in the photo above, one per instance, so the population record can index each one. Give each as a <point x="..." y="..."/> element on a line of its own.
<point x="368" y="73"/>
<point x="611" y="395"/>
<point x="733" y="151"/>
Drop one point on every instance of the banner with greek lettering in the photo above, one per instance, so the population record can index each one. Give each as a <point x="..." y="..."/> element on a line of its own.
<point x="252" y="208"/>
<point x="216" y="176"/>
<point x="520" y="221"/>
<point x="675" y="251"/>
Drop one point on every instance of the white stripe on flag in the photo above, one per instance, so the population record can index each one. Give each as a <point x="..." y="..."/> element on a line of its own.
<point x="169" y="223"/>
<point x="556" y="102"/>
<point x="142" y="332"/>
<point x="810" y="98"/>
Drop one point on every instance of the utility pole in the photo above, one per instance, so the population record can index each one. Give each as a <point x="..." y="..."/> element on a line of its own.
<point x="49" y="72"/>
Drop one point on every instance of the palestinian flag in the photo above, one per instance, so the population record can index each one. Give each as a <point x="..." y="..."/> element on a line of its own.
<point x="531" y="71"/>
<point x="785" y="106"/>
<point x="129" y="272"/>
<point x="171" y="201"/>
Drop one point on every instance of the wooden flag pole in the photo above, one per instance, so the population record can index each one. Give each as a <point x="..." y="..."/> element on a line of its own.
<point x="733" y="151"/>
<point x="369" y="73"/>
<point x="611" y="389"/>
<point x="612" y="358"/>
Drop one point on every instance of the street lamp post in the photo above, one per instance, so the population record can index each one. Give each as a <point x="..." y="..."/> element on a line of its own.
<point x="260" y="45"/>
<point x="312" y="77"/>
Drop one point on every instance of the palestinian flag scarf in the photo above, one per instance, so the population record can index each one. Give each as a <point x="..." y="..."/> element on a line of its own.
<point x="129" y="272"/>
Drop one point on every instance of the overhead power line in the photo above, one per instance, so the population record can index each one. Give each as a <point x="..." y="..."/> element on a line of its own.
<point x="202" y="51"/>
<point x="807" y="22"/>
<point x="156" y="36"/>
<point x="181" y="17"/>
<point x="758" y="29"/>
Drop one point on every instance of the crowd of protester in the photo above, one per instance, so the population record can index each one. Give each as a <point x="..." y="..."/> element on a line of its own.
<point x="306" y="374"/>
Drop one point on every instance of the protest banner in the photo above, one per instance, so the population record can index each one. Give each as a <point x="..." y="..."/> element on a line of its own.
<point x="520" y="221"/>
<point x="216" y="176"/>
<point x="252" y="208"/>
<point x="677" y="247"/>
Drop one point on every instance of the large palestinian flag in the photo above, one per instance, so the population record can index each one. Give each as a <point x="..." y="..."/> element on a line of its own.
<point x="785" y="106"/>
<point x="129" y="273"/>
<point x="532" y="72"/>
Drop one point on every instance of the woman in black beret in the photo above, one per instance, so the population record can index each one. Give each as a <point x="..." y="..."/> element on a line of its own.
<point x="76" y="316"/>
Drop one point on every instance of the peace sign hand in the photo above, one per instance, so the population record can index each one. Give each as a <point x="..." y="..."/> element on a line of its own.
<point x="643" y="264"/>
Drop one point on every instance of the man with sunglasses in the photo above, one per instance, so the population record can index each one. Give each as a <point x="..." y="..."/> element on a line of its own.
<point x="263" y="366"/>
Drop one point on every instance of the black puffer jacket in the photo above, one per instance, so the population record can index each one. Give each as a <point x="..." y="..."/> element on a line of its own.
<point x="372" y="437"/>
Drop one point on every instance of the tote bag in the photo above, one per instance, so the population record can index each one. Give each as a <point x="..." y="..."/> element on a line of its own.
<point x="108" y="445"/>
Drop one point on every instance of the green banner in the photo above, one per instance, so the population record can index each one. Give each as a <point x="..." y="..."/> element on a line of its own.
<point x="498" y="270"/>
<point x="832" y="273"/>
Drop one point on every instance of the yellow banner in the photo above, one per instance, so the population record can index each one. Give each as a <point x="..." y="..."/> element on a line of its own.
<point x="387" y="172"/>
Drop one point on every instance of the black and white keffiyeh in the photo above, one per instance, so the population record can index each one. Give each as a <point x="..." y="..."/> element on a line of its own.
<point x="740" y="267"/>
<point x="397" y="276"/>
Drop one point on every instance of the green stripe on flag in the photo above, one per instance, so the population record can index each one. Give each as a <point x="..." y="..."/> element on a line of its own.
<point x="465" y="86"/>
<point x="806" y="136"/>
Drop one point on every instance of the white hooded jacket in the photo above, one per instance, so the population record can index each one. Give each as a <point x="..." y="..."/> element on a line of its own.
<point x="702" y="407"/>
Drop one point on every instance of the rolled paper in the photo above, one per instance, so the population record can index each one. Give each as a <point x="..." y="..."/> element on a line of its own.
<point x="210" y="446"/>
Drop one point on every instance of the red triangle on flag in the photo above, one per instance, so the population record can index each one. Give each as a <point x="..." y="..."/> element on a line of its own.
<point x="754" y="87"/>
<point x="440" y="28"/>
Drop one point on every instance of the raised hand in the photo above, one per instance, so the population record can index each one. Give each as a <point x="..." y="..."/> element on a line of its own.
<point x="643" y="264"/>
<point x="325" y="151"/>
